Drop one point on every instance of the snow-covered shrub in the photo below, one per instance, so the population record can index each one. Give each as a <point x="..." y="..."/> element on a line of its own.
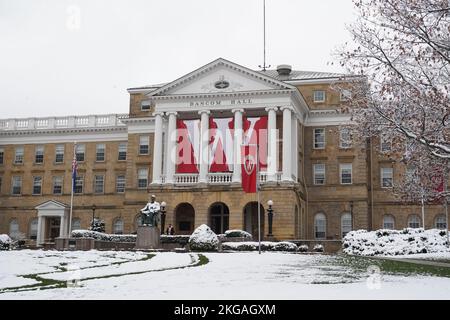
<point x="303" y="248"/>
<point x="98" y="225"/>
<point x="181" y="239"/>
<point x="103" y="236"/>
<point x="5" y="242"/>
<point x="395" y="242"/>
<point x="318" y="248"/>
<point x="237" y="234"/>
<point x="265" y="246"/>
<point x="203" y="239"/>
<point x="285" y="246"/>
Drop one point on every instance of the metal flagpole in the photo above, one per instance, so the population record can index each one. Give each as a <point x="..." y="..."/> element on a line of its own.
<point x="259" y="205"/>
<point x="423" y="210"/>
<point x="446" y="204"/>
<point x="71" y="191"/>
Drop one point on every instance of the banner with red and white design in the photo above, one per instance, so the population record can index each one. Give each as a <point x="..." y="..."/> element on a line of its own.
<point x="255" y="132"/>
<point x="221" y="144"/>
<point x="249" y="168"/>
<point x="188" y="146"/>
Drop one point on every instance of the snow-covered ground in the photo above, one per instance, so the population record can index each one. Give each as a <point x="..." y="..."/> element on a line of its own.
<point x="272" y="275"/>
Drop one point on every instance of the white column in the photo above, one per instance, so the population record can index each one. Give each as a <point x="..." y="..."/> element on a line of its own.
<point x="157" y="149"/>
<point x="272" y="157"/>
<point x="62" y="226"/>
<point x="287" y="133"/>
<point x="40" y="230"/>
<point x="171" y="157"/>
<point x="204" y="154"/>
<point x="237" y="142"/>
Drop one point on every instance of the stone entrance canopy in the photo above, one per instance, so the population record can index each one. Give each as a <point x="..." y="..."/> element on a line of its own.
<point x="48" y="210"/>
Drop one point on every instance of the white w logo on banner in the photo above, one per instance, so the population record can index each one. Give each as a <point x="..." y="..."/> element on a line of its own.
<point x="249" y="164"/>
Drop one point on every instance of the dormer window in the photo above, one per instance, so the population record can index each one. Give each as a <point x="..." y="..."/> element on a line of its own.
<point x="145" y="106"/>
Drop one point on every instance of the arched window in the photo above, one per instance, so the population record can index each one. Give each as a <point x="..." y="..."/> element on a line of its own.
<point x="414" y="221"/>
<point x="388" y="222"/>
<point x="118" y="226"/>
<point x="440" y="222"/>
<point x="33" y="229"/>
<point x="219" y="217"/>
<point x="76" y="224"/>
<point x="14" y="232"/>
<point x="346" y="223"/>
<point x="320" y="226"/>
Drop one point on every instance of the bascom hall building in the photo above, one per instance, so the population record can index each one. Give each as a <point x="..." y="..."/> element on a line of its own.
<point x="181" y="141"/>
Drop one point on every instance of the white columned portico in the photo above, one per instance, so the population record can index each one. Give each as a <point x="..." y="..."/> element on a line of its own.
<point x="171" y="147"/>
<point x="272" y="157"/>
<point x="157" y="148"/>
<point x="237" y="142"/>
<point x="287" y="144"/>
<point x="204" y="142"/>
<point x="40" y="230"/>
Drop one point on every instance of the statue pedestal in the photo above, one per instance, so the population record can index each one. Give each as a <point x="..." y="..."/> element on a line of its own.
<point x="147" y="238"/>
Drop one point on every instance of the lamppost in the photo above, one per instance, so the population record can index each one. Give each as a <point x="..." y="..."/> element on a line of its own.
<point x="93" y="215"/>
<point x="351" y="212"/>
<point x="270" y="216"/>
<point x="163" y="216"/>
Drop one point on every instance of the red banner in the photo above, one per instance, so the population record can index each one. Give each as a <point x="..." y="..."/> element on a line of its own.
<point x="249" y="168"/>
<point x="221" y="144"/>
<point x="188" y="144"/>
<point x="255" y="132"/>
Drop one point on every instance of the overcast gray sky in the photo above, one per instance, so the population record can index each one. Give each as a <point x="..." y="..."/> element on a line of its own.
<point x="60" y="57"/>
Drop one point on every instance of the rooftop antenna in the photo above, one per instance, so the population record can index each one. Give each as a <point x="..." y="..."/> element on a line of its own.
<point x="264" y="66"/>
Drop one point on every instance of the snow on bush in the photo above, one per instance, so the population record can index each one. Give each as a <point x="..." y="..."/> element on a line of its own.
<point x="5" y="242"/>
<point x="203" y="239"/>
<point x="98" y="225"/>
<point x="395" y="242"/>
<point x="237" y="234"/>
<point x="318" y="248"/>
<point x="303" y="248"/>
<point x="103" y="236"/>
<point x="265" y="246"/>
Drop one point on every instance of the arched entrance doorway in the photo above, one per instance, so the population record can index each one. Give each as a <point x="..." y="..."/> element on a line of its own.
<point x="251" y="219"/>
<point x="184" y="219"/>
<point x="219" y="217"/>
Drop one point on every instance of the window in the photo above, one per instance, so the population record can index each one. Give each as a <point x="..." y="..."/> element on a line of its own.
<point x="319" y="174"/>
<point x="345" y="138"/>
<point x="319" y="138"/>
<point x="33" y="229"/>
<point x="142" y="178"/>
<point x="14" y="231"/>
<point x="319" y="96"/>
<point x="57" y="185"/>
<point x="100" y="152"/>
<point x="385" y="144"/>
<point x="387" y="176"/>
<point x="388" y="222"/>
<point x="143" y="144"/>
<point x="39" y="154"/>
<point x="1" y="182"/>
<point x="120" y="183"/>
<point x="320" y="226"/>
<point x="2" y="155"/>
<point x="346" y="95"/>
<point x="346" y="173"/>
<point x="76" y="224"/>
<point x="16" y="185"/>
<point x="80" y="150"/>
<point x="79" y="181"/>
<point x="37" y="185"/>
<point x="99" y="182"/>
<point x="440" y="222"/>
<point x="346" y="224"/>
<point x="145" y="105"/>
<point x="118" y="226"/>
<point x="19" y="155"/>
<point x="59" y="153"/>
<point x="122" y="151"/>
<point x="414" y="221"/>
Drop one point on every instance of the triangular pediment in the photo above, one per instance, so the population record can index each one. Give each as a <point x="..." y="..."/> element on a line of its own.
<point x="51" y="205"/>
<point x="221" y="76"/>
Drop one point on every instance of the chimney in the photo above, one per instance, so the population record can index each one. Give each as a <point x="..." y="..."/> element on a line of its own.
<point x="284" y="69"/>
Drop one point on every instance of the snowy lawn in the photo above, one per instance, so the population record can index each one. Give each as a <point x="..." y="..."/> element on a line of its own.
<point x="272" y="275"/>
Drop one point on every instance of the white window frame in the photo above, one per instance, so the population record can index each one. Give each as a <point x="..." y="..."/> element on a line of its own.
<point x="80" y="149"/>
<point x="59" y="151"/>
<point x="388" y="216"/>
<point x="345" y="226"/>
<point x="39" y="151"/>
<point x="122" y="145"/>
<point x="443" y="221"/>
<point x="345" y="166"/>
<point x="147" y="106"/>
<point x="417" y="221"/>
<point x="118" y="222"/>
<point x="345" y="144"/>
<point x="15" y="179"/>
<point x="53" y="184"/>
<point x="124" y="182"/>
<point x="387" y="173"/>
<point x="33" y="229"/>
<point x="14" y="234"/>
<point x="315" y="100"/>
<point x="144" y="141"/>
<point x="76" y="221"/>
<point x="37" y="178"/>
<point x="19" y="155"/>
<point x="98" y="185"/>
<point x="317" y="172"/>
<point x="100" y="149"/>
<point x="2" y="155"/>
<point x="315" y="142"/>
<point x="317" y="226"/>
<point x="345" y="95"/>
<point x="81" y="180"/>
<point x="140" y="177"/>
<point x="384" y="141"/>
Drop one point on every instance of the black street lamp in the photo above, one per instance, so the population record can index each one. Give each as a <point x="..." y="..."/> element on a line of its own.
<point x="270" y="216"/>
<point x="93" y="214"/>
<point x="163" y="216"/>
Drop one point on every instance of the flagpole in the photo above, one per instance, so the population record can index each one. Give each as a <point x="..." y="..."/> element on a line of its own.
<point x="257" y="192"/>
<point x="71" y="193"/>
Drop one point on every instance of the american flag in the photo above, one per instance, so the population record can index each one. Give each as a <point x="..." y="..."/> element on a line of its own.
<point x="74" y="167"/>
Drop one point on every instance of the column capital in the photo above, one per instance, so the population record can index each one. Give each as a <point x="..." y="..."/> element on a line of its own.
<point x="169" y="113"/>
<point x="237" y="110"/>
<point x="204" y="111"/>
<point x="271" y="109"/>
<point x="291" y="108"/>
<point x="158" y="113"/>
